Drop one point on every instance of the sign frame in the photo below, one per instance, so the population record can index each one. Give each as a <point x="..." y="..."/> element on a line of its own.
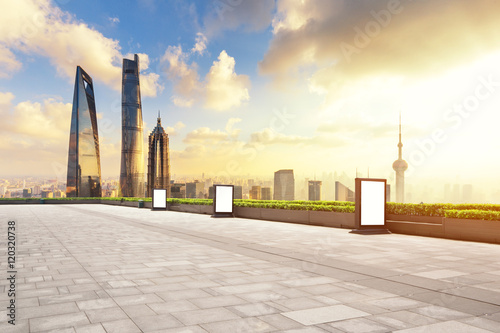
<point x="159" y="199"/>
<point x="223" y="200"/>
<point x="370" y="205"/>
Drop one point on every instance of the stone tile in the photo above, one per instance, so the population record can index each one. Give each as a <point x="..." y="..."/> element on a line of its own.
<point x="447" y="326"/>
<point x="280" y="322"/>
<point x="300" y="303"/>
<point x="137" y="299"/>
<point x="360" y="325"/>
<point x="440" y="313"/>
<point x="396" y="303"/>
<point x="172" y="306"/>
<point x="58" y="321"/>
<point x="94" y="304"/>
<point x="253" y="310"/>
<point x="109" y="314"/>
<point x="73" y="297"/>
<point x="440" y="274"/>
<point x="139" y="310"/>
<point x="121" y="326"/>
<point x="185" y="329"/>
<point x="217" y="301"/>
<point x="482" y="322"/>
<point x="157" y="322"/>
<point x="253" y="325"/>
<point x="324" y="314"/>
<point x="195" y="317"/>
<point x="47" y="310"/>
<point x="21" y="326"/>
<point x="182" y="294"/>
<point x="94" y="328"/>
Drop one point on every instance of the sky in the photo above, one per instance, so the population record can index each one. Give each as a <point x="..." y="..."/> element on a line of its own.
<point x="246" y="88"/>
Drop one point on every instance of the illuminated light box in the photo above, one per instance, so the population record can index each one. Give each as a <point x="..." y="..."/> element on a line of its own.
<point x="370" y="206"/>
<point x="159" y="199"/>
<point x="223" y="201"/>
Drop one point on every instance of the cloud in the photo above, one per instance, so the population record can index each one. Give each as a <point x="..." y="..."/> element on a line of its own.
<point x="341" y="41"/>
<point x="114" y="20"/>
<point x="225" y="88"/>
<point x="221" y="90"/>
<point x="201" y="44"/>
<point x="205" y="135"/>
<point x="172" y="131"/>
<point x="39" y="27"/>
<point x="187" y="87"/>
<point x="230" y="14"/>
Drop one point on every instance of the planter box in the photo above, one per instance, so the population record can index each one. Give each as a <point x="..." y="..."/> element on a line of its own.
<point x="416" y="228"/>
<point x="285" y="215"/>
<point x="410" y="218"/>
<point x="247" y="212"/>
<point x="332" y="219"/>
<point x="472" y="230"/>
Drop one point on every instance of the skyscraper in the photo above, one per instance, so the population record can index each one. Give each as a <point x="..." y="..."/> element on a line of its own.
<point x="400" y="167"/>
<point x="84" y="162"/>
<point x="314" y="190"/>
<point x="132" y="163"/>
<point x="284" y="185"/>
<point x="158" y="160"/>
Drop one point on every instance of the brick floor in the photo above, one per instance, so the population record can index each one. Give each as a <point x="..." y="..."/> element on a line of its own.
<point x="99" y="268"/>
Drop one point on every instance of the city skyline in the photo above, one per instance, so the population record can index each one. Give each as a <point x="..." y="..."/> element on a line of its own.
<point x="255" y="87"/>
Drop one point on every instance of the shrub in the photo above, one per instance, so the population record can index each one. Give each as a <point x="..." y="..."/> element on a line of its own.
<point x="474" y="214"/>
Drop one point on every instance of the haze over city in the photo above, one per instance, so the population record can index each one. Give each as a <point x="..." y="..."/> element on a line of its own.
<point x="246" y="88"/>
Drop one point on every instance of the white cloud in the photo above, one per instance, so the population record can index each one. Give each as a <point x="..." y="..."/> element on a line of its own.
<point x="225" y="88"/>
<point x="201" y="44"/>
<point x="114" y="20"/>
<point x="222" y="89"/>
<point x="39" y="27"/>
<point x="172" y="131"/>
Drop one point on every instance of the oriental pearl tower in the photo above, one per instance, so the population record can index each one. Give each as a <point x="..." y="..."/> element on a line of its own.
<point x="400" y="167"/>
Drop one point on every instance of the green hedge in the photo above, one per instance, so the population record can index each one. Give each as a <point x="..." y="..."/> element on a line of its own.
<point x="437" y="209"/>
<point x="474" y="214"/>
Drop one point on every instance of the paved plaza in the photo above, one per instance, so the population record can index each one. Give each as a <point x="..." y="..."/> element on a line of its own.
<point x="100" y="268"/>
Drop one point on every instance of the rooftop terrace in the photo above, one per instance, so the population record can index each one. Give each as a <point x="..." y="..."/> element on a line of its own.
<point x="100" y="268"/>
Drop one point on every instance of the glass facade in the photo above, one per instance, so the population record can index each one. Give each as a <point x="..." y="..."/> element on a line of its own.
<point x="132" y="162"/>
<point x="84" y="162"/>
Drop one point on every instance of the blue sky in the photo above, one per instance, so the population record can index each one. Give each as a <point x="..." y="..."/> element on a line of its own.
<point x="250" y="87"/>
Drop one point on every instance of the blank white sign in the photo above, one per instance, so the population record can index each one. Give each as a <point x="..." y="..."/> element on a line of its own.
<point x="372" y="203"/>
<point x="223" y="199"/>
<point x="159" y="198"/>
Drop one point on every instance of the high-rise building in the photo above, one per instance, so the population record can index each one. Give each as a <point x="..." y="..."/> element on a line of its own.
<point x="158" y="160"/>
<point x="255" y="193"/>
<point x="195" y="190"/>
<point x="343" y="193"/>
<point x="178" y="190"/>
<point x="315" y="190"/>
<point x="238" y="192"/>
<point x="84" y="162"/>
<point x="284" y="185"/>
<point x="132" y="162"/>
<point x="400" y="167"/>
<point x="265" y="193"/>
<point x="27" y="193"/>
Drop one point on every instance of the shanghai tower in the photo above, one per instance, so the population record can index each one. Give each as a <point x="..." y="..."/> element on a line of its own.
<point x="132" y="162"/>
<point x="84" y="163"/>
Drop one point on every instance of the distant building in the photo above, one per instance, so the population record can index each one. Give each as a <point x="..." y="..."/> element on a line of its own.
<point x="467" y="193"/>
<point x="388" y="192"/>
<point x="314" y="190"/>
<point x="37" y="190"/>
<point x="211" y="192"/>
<point x="238" y="192"/>
<point x="47" y="194"/>
<point x="195" y="190"/>
<point x="158" y="160"/>
<point x="27" y="193"/>
<point x="343" y="193"/>
<point x="255" y="193"/>
<point x="265" y="193"/>
<point x="84" y="161"/>
<point x="178" y="190"/>
<point x="400" y="166"/>
<point x="132" y="159"/>
<point x="284" y="185"/>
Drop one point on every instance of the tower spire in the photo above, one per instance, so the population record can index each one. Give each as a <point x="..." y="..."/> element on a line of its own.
<point x="159" y="118"/>
<point x="400" y="144"/>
